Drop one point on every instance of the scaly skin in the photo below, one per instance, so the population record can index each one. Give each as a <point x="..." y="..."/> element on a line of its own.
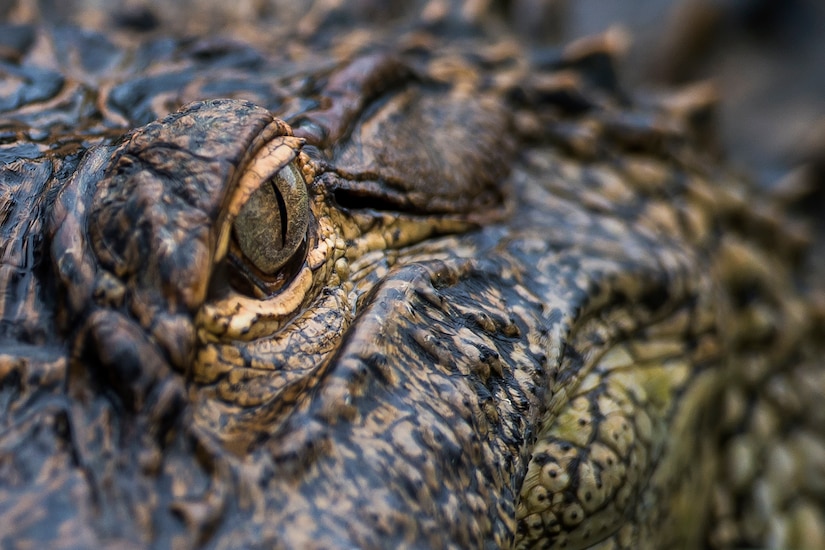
<point x="525" y="310"/>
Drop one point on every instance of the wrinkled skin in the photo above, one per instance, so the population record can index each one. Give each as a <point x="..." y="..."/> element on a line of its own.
<point x="522" y="308"/>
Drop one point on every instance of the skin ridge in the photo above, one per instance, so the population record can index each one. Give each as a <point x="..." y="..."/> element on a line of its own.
<point x="606" y="359"/>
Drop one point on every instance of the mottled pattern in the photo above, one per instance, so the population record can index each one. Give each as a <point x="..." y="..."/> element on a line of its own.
<point x="530" y="310"/>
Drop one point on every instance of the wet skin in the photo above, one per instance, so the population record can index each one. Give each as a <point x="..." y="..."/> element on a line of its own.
<point x="417" y="295"/>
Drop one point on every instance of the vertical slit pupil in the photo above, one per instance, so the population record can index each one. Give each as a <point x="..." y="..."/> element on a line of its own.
<point x="281" y="204"/>
<point x="282" y="207"/>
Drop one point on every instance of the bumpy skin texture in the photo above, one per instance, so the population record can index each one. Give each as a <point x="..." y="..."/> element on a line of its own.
<point x="529" y="310"/>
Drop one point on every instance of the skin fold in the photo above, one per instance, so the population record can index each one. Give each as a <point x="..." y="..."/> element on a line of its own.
<point x="411" y="285"/>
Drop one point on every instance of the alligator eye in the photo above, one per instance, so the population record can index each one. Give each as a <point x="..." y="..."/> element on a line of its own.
<point x="272" y="224"/>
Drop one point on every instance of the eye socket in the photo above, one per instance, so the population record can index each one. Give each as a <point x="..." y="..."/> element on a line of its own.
<point x="272" y="225"/>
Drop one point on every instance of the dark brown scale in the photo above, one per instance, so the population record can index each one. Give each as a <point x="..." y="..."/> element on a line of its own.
<point x="483" y="297"/>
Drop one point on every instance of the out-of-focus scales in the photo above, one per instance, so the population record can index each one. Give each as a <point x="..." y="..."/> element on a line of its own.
<point x="341" y="280"/>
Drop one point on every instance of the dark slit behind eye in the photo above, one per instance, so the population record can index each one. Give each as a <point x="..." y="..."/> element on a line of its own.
<point x="272" y="224"/>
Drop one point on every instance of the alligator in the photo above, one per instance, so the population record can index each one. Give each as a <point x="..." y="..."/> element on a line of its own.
<point x="412" y="285"/>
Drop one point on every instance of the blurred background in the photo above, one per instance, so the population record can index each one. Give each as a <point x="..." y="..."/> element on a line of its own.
<point x="765" y="57"/>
